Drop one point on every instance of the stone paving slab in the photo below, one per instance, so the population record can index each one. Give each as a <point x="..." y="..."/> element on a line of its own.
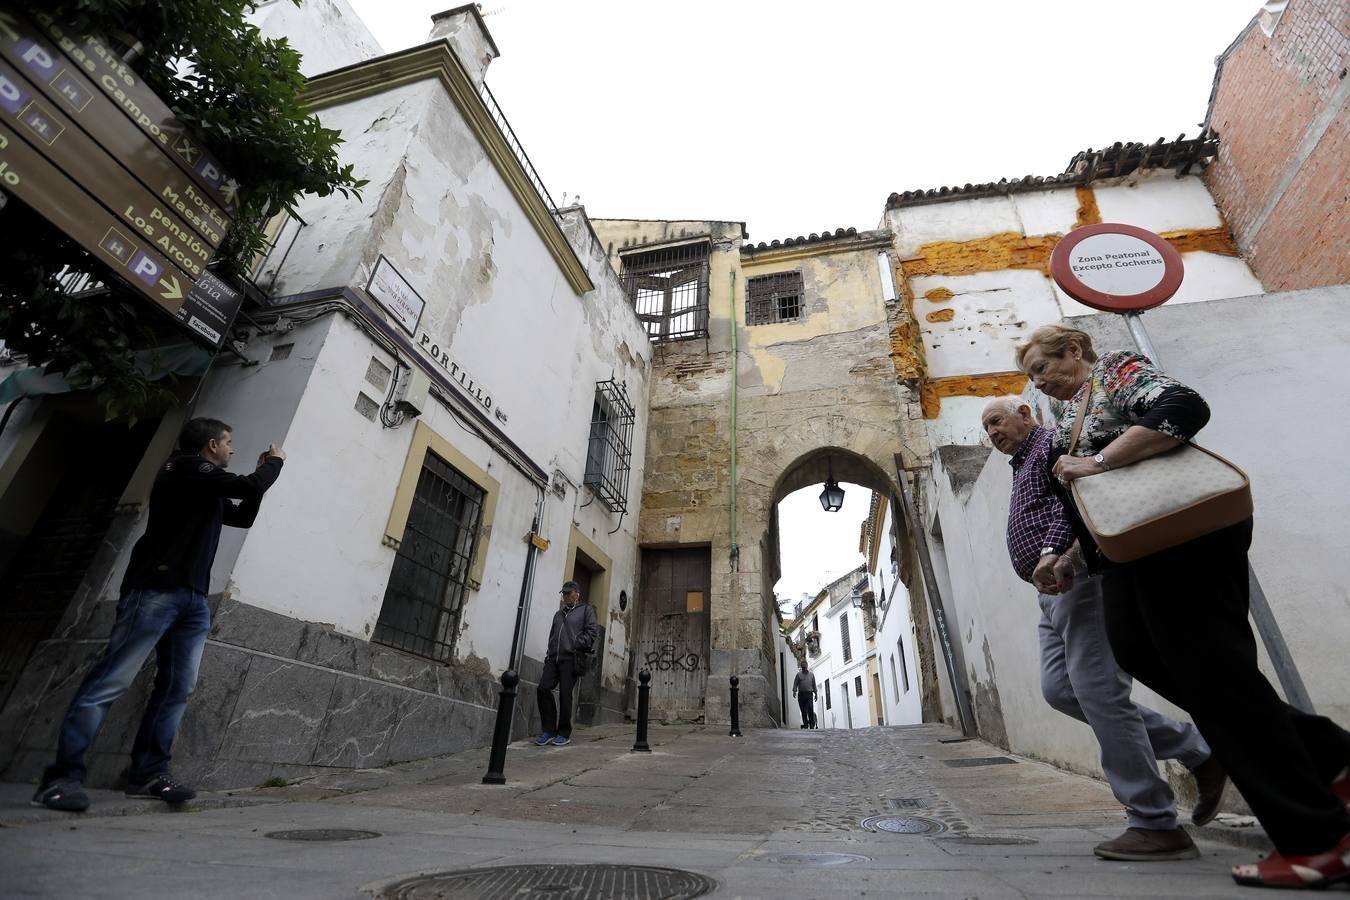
<point x="727" y="808"/>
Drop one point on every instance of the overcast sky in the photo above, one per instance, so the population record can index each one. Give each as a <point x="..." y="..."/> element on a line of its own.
<point x="796" y="117"/>
<point x="799" y="117"/>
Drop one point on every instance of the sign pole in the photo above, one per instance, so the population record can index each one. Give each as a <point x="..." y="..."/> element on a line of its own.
<point x="1262" y="615"/>
<point x="1126" y="270"/>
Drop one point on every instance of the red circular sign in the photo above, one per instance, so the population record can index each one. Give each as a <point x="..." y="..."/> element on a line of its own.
<point x="1116" y="268"/>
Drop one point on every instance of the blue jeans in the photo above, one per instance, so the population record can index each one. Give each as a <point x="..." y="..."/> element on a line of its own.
<point x="174" y="623"/>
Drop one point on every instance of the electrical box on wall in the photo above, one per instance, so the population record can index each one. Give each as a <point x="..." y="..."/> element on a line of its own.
<point x="416" y="393"/>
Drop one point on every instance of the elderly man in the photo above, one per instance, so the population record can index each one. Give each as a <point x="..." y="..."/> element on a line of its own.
<point x="1079" y="674"/>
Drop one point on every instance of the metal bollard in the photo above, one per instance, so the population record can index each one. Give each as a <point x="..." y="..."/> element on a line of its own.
<point x="644" y="688"/>
<point x="735" y="707"/>
<point x="501" y="736"/>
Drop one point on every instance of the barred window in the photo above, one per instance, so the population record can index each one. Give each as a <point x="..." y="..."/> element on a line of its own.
<point x="904" y="667"/>
<point x="668" y="288"/>
<point x="843" y="637"/>
<point x="773" y="298"/>
<point x="424" y="601"/>
<point x="857" y="686"/>
<point x="827" y="694"/>
<point x="609" y="450"/>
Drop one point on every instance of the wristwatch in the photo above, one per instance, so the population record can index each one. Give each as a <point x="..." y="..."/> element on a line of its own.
<point x="1101" y="462"/>
<point x="1049" y="551"/>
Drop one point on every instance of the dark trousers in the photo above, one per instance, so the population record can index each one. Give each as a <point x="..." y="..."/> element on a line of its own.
<point x="806" y="702"/>
<point x="1177" y="621"/>
<point x="171" y="623"/>
<point x="557" y="674"/>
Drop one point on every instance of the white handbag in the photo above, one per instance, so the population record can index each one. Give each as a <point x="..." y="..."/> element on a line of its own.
<point x="1159" y="502"/>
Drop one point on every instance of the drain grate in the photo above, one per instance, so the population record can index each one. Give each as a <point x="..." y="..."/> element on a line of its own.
<point x="899" y="803"/>
<point x="536" y="882"/>
<point x="322" y="834"/>
<point x="981" y="761"/>
<point x="988" y="840"/>
<point x="903" y="824"/>
<point x="818" y="859"/>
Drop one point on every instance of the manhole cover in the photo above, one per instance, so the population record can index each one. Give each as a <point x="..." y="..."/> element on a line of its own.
<point x="818" y="859"/>
<point x="903" y="824"/>
<point x="898" y="803"/>
<point x="323" y="834"/>
<point x="980" y="761"/>
<point x="585" y="882"/>
<point x="988" y="840"/>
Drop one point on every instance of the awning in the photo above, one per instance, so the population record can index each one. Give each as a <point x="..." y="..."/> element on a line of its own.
<point x="185" y="358"/>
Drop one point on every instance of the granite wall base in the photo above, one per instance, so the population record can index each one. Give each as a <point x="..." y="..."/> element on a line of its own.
<point x="276" y="697"/>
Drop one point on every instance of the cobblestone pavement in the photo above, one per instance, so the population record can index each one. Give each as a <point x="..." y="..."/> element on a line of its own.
<point x="772" y="814"/>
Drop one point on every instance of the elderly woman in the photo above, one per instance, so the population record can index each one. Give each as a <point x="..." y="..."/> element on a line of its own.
<point x="1177" y="619"/>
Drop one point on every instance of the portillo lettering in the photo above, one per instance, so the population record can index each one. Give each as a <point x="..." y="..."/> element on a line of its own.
<point x="442" y="358"/>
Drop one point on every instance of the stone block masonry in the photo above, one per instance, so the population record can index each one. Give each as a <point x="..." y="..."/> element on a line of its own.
<point x="276" y="697"/>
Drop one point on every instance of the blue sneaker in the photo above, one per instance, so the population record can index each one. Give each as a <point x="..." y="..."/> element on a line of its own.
<point x="544" y="739"/>
<point x="561" y="740"/>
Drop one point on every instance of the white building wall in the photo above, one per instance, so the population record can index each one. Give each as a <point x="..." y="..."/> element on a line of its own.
<point x="896" y="652"/>
<point x="1267" y="365"/>
<point x="327" y="33"/>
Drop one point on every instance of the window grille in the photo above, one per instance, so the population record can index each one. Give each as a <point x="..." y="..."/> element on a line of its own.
<point x="773" y="298"/>
<point x="427" y="587"/>
<point x="669" y="290"/>
<point x="827" y="694"/>
<point x="609" y="452"/>
<point x="895" y="682"/>
<point x="843" y="636"/>
<point x="857" y="686"/>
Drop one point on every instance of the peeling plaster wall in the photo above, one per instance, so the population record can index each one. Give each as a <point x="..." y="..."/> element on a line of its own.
<point x="976" y="275"/>
<point x="337" y="245"/>
<point x="328" y="33"/>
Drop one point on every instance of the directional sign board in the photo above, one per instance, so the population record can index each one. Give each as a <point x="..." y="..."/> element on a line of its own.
<point x="90" y="148"/>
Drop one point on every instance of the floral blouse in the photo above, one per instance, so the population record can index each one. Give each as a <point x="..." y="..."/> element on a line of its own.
<point x="1127" y="389"/>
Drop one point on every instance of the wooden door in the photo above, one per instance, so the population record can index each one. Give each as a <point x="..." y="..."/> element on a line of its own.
<point x="673" y="630"/>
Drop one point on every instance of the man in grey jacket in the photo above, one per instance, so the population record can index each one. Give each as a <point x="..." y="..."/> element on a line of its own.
<point x="804" y="689"/>
<point x="574" y="631"/>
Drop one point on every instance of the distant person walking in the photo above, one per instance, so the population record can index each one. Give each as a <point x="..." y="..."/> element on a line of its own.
<point x="1079" y="675"/>
<point x="804" y="689"/>
<point x="162" y="608"/>
<point x="574" y="631"/>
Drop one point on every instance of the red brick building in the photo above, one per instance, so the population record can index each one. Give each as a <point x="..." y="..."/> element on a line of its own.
<point x="1282" y="175"/>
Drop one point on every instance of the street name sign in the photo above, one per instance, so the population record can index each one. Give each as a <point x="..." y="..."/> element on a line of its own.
<point x="395" y="294"/>
<point x="87" y="146"/>
<point x="1116" y="268"/>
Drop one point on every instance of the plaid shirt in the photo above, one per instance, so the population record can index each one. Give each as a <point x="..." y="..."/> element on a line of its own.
<point x="1036" y="517"/>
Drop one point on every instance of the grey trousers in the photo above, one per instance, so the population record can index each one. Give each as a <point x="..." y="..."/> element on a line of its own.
<point x="1080" y="678"/>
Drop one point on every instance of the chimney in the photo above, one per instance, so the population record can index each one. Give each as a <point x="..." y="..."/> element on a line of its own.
<point x="463" y="27"/>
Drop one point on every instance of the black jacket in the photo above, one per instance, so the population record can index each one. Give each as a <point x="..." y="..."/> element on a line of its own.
<point x="573" y="630"/>
<point x="191" y="500"/>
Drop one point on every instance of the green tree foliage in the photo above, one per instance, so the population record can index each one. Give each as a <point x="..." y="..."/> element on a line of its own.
<point x="241" y="95"/>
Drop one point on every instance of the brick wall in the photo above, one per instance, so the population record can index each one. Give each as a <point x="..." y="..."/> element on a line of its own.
<point x="1284" y="196"/>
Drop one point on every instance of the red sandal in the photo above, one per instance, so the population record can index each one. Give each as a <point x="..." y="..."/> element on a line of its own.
<point x="1298" y="872"/>
<point x="1341" y="787"/>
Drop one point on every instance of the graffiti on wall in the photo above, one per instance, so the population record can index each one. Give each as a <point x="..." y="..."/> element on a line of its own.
<point x="668" y="658"/>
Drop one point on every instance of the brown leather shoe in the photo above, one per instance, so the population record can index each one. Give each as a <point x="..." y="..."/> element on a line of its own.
<point x="1210" y="779"/>
<point x="1145" y="844"/>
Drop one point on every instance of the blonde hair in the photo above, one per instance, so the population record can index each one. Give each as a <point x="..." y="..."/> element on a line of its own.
<point x="1055" y="340"/>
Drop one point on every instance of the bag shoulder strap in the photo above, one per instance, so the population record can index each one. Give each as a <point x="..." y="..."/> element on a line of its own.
<point x="1082" y="414"/>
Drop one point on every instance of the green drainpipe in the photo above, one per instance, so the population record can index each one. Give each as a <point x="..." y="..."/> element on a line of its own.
<point x="735" y="549"/>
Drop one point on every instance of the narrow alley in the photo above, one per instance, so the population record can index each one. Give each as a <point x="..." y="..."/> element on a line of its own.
<point x="775" y="813"/>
